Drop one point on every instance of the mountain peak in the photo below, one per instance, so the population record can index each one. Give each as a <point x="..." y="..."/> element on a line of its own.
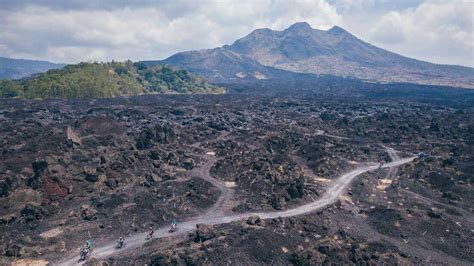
<point x="302" y="49"/>
<point x="337" y="30"/>
<point x="300" y="26"/>
<point x="262" y="31"/>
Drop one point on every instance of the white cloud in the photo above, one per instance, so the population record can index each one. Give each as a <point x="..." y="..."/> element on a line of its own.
<point x="73" y="31"/>
<point x="388" y="30"/>
<point x="319" y="14"/>
<point x="440" y="31"/>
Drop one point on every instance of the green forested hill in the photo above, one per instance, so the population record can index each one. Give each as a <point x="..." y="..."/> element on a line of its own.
<point x="100" y="80"/>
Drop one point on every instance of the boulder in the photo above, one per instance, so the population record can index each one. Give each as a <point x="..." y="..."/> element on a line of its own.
<point x="188" y="164"/>
<point x="343" y="233"/>
<point x="296" y="190"/>
<point x="88" y="213"/>
<point x="5" y="187"/>
<point x="327" y="116"/>
<point x="90" y="174"/>
<point x="39" y="168"/>
<point x="217" y="125"/>
<point x="277" y="202"/>
<point x="172" y="158"/>
<point x="164" y="134"/>
<point x="31" y="213"/>
<point x="253" y="220"/>
<point x="160" y="133"/>
<point x="145" y="183"/>
<point x="91" y="177"/>
<point x="204" y="232"/>
<point x="451" y="195"/>
<point x="435" y="213"/>
<point x="13" y="250"/>
<point x="152" y="178"/>
<point x="72" y="136"/>
<point x="324" y="249"/>
<point x="144" y="139"/>
<point x="154" y="155"/>
<point x="7" y="219"/>
<point x="111" y="183"/>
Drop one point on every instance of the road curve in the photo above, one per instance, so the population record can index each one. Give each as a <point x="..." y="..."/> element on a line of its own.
<point x="335" y="189"/>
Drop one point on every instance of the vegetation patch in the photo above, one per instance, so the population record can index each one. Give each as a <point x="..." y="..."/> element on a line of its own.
<point x="104" y="80"/>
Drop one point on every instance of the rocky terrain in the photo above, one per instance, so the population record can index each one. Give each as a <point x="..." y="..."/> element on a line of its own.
<point x="100" y="169"/>
<point x="271" y="54"/>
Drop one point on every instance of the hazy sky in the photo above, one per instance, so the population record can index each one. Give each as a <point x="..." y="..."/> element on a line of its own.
<point x="73" y="30"/>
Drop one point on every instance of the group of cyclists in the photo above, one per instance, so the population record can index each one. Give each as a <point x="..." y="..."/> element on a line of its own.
<point x="174" y="227"/>
<point x="87" y="248"/>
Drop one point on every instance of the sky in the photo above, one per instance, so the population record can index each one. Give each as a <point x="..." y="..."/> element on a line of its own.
<point x="439" y="31"/>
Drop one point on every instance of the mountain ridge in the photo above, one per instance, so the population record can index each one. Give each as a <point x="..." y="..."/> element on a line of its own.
<point x="264" y="53"/>
<point x="13" y="68"/>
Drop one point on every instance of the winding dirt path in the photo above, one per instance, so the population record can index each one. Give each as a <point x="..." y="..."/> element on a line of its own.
<point x="204" y="172"/>
<point x="392" y="171"/>
<point x="216" y="215"/>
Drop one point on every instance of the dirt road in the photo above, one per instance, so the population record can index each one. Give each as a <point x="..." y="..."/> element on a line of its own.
<point x="216" y="216"/>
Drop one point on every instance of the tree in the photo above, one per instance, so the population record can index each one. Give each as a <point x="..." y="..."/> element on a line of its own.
<point x="9" y="89"/>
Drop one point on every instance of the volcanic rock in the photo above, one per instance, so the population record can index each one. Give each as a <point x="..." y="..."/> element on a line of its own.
<point x="435" y="213"/>
<point x="31" y="213"/>
<point x="204" y="232"/>
<point x="88" y="213"/>
<point x="253" y="220"/>
<point x="13" y="250"/>
<point x="39" y="167"/>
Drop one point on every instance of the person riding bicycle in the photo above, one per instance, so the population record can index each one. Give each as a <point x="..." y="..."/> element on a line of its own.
<point x="89" y="245"/>
<point x="84" y="253"/>
<point x="152" y="231"/>
<point x="120" y="242"/>
<point x="174" y="225"/>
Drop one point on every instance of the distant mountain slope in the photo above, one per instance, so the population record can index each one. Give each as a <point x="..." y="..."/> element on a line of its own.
<point x="101" y="80"/>
<point x="302" y="49"/>
<point x="20" y="68"/>
<point x="223" y="65"/>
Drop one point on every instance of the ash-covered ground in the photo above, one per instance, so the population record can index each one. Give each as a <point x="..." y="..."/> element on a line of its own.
<point x="77" y="170"/>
